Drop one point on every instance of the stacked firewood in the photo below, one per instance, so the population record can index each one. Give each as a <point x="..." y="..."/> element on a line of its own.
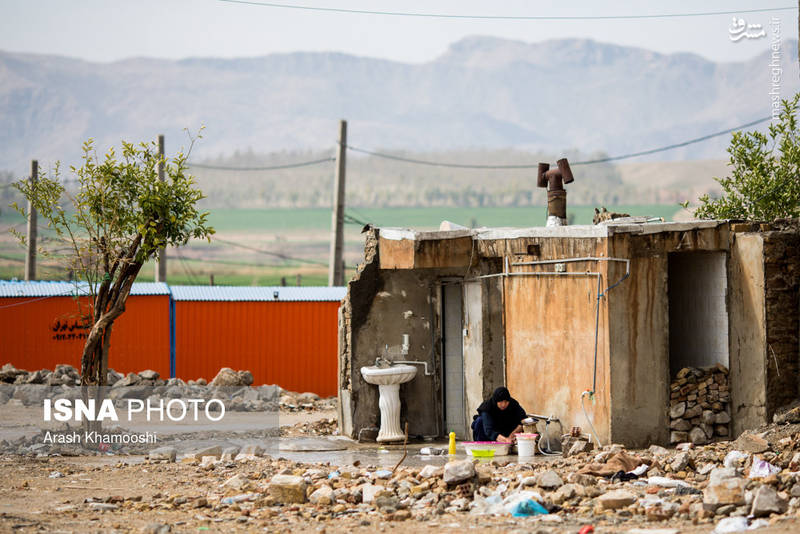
<point x="699" y="408"/>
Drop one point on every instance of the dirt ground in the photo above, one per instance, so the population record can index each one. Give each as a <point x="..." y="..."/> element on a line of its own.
<point x="150" y="496"/>
<point x="129" y="494"/>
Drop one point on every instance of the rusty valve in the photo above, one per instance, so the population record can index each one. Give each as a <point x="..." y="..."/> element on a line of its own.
<point x="554" y="180"/>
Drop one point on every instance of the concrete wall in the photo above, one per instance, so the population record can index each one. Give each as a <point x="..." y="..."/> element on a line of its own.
<point x="392" y="295"/>
<point x="639" y="330"/>
<point x="550" y="336"/>
<point x="747" y="332"/>
<point x="639" y="343"/>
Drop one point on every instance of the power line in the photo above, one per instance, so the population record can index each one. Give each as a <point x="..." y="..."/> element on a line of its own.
<point x="676" y="145"/>
<point x="536" y="165"/>
<point x="269" y="168"/>
<point x="505" y="17"/>
<point x="270" y="253"/>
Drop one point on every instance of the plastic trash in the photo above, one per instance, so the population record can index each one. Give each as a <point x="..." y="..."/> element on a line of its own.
<point x="528" y="508"/>
<point x="586" y="529"/>
<point x="512" y="500"/>
<point x="731" y="524"/>
<point x="333" y="474"/>
<point x="734" y="458"/>
<point x="491" y="505"/>
<point x="639" y="471"/>
<point x="762" y="468"/>
<point x="758" y="523"/>
<point x="665" y="482"/>
<point x="239" y="498"/>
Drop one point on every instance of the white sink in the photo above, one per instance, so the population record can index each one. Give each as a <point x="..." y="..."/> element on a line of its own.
<point x="388" y="380"/>
<point x="385" y="376"/>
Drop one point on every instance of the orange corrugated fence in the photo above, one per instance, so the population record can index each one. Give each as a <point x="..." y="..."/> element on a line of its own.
<point x="39" y="333"/>
<point x="284" y="336"/>
<point x="292" y="344"/>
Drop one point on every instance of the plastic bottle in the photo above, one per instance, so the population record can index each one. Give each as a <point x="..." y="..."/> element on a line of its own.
<point x="452" y="448"/>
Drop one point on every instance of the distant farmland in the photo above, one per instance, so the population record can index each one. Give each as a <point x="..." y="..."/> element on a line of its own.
<point x="260" y="246"/>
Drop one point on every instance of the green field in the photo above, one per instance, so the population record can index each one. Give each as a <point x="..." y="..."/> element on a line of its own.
<point x="297" y="233"/>
<point x="258" y="220"/>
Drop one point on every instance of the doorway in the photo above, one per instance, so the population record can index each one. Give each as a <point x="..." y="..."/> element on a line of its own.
<point x="453" y="364"/>
<point x="698" y="310"/>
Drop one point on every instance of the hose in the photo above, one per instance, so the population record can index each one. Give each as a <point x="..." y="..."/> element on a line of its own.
<point x="583" y="406"/>
<point x="539" y="441"/>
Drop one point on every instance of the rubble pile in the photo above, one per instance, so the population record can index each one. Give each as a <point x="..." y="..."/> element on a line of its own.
<point x="233" y="387"/>
<point x="699" y="408"/>
<point x="711" y="484"/>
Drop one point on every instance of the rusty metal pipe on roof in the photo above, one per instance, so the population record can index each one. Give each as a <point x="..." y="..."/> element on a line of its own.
<point x="554" y="180"/>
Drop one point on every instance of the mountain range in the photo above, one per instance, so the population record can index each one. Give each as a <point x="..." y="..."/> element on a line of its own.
<point x="484" y="92"/>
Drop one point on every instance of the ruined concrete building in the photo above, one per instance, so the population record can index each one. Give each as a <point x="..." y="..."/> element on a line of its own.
<point x="616" y="309"/>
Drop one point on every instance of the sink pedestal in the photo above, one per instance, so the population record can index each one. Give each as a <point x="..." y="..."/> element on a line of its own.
<point x="389" y="403"/>
<point x="388" y="380"/>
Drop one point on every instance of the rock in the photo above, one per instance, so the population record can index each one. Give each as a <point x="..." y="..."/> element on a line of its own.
<point x="430" y="471"/>
<point x="751" y="443"/>
<point x="162" y="454"/>
<point x="236" y="482"/>
<point x="386" y="502"/>
<point x="113" y="377"/>
<point x="229" y="454"/>
<point x="287" y="489"/>
<point x="227" y="377"/>
<point x="567" y="492"/>
<point x="9" y="373"/>
<point x="725" y="486"/>
<point x="307" y="398"/>
<point x="614" y="500"/>
<point x="369" y="491"/>
<point x="149" y="374"/>
<point x="254" y="450"/>
<point x="694" y="411"/>
<point x="549" y="480"/>
<point x="103" y="506"/>
<point x="37" y="377"/>
<point x="131" y="380"/>
<point x="722" y="418"/>
<point x="721" y="430"/>
<point x="324" y="495"/>
<point x="678" y="437"/>
<point x="680" y="461"/>
<point x="677" y="410"/>
<point x="581" y="479"/>
<point x="459" y="471"/>
<point x="698" y="436"/>
<point x="767" y="501"/>
<point x="157" y="528"/>
<point x="658" y="450"/>
<point x="790" y="416"/>
<point x="215" y="451"/>
<point x="681" y="425"/>
<point x="578" y="447"/>
<point x="708" y="417"/>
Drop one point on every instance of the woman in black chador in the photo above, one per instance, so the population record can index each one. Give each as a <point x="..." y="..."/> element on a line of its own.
<point x="499" y="418"/>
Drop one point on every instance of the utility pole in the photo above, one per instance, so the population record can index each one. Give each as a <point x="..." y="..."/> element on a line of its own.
<point x="30" y="258"/>
<point x="335" y="271"/>
<point x="161" y="263"/>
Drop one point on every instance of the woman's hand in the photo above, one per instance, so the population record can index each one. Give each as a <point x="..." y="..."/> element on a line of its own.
<point x="503" y="439"/>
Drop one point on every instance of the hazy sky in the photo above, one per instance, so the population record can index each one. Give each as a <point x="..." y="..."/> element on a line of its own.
<point x="108" y="30"/>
